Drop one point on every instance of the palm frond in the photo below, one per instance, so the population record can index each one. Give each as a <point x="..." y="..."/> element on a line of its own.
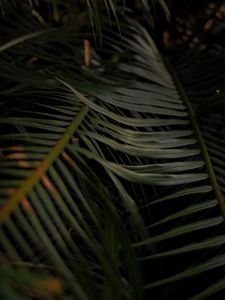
<point x="104" y="180"/>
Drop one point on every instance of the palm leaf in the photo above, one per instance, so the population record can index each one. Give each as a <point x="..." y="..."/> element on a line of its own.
<point x="108" y="179"/>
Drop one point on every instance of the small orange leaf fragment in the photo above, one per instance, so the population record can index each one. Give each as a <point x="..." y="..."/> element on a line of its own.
<point x="9" y="191"/>
<point x="39" y="170"/>
<point x="51" y="285"/>
<point x="87" y="53"/>
<point x="47" y="183"/>
<point x="16" y="155"/>
<point x="27" y="206"/>
<point x="23" y="164"/>
<point x="66" y="156"/>
<point x="16" y="148"/>
<point x="166" y="38"/>
<point x="208" y="25"/>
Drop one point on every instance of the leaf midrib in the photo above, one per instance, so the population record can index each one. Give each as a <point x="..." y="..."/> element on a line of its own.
<point x="199" y="137"/>
<point x="27" y="185"/>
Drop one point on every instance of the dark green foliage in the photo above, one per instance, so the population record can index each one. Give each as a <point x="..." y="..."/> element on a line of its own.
<point x="112" y="175"/>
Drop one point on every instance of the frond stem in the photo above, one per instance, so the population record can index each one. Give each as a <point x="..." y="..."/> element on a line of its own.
<point x="28" y="184"/>
<point x="200" y="139"/>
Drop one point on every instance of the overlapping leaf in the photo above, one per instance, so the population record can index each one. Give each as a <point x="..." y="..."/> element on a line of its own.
<point x="104" y="183"/>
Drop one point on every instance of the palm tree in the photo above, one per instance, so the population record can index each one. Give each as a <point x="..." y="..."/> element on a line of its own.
<point x="112" y="165"/>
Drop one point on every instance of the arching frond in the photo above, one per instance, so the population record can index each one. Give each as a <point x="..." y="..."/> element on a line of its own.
<point x="109" y="182"/>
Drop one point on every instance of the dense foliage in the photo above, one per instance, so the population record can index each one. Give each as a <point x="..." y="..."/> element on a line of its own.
<point x="112" y="154"/>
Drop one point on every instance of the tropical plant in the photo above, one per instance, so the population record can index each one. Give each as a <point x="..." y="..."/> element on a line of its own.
<point x="112" y="166"/>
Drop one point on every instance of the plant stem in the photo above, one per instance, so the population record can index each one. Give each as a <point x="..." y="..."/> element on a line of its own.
<point x="28" y="184"/>
<point x="199" y="137"/>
